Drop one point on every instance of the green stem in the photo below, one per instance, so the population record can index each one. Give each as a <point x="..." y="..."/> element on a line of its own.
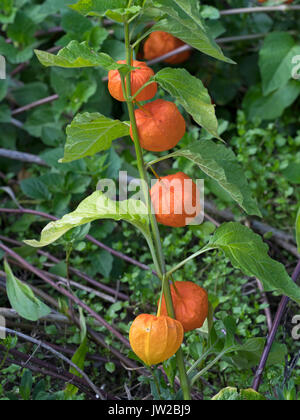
<point x="161" y="159"/>
<point x="151" y="80"/>
<point x="202" y="251"/>
<point x="156" y="382"/>
<point x="201" y="359"/>
<point x="211" y="364"/>
<point x="4" y="358"/>
<point x="140" y="159"/>
<point x="161" y="296"/>
<point x="157" y="246"/>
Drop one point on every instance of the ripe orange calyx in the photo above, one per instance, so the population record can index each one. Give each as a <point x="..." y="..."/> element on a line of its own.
<point x="155" y="339"/>
<point x="176" y="200"/>
<point x="160" y="126"/>
<point x="160" y="43"/>
<point x="139" y="77"/>
<point x="190" y="303"/>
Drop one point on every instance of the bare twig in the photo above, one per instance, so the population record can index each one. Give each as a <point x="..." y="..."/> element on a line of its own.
<point x="56" y="354"/>
<point x="94" y="357"/>
<point x="238" y="38"/>
<point x="66" y="293"/>
<point x="280" y="312"/>
<point x="266" y="302"/>
<point x="23" y="157"/>
<point x="35" y="104"/>
<point x="51" y="371"/>
<point x="51" y="31"/>
<point x="261" y="9"/>
<point x="88" y="237"/>
<point x="189" y="48"/>
<point x="18" y="69"/>
<point x="64" y="281"/>
<point x="95" y="336"/>
<point x="95" y="283"/>
<point x="53" y="317"/>
<point x="17" y="123"/>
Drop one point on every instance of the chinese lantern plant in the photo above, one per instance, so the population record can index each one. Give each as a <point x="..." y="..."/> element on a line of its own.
<point x="159" y="126"/>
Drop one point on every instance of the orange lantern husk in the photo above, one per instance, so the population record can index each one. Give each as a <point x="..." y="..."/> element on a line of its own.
<point x="176" y="200"/>
<point x="160" y="126"/>
<point x="139" y="78"/>
<point x="155" y="339"/>
<point x="190" y="303"/>
<point x="160" y="43"/>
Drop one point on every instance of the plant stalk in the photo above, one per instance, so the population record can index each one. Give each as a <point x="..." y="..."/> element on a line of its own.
<point x="160" y="261"/>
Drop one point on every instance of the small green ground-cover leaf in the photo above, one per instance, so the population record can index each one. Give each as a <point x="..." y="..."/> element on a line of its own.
<point x="22" y="298"/>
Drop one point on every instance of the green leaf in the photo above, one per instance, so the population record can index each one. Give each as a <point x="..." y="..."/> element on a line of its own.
<point x="249" y="353"/>
<point x="192" y="95"/>
<point x="7" y="11"/>
<point x="14" y="54"/>
<point x="22" y="299"/>
<point x="22" y="30"/>
<point x="5" y="114"/>
<point x="183" y="20"/>
<point x="247" y="252"/>
<point x="75" y="23"/>
<point x="102" y="262"/>
<point x="98" y="7"/>
<point x="233" y="394"/>
<point x="114" y="9"/>
<point x="122" y="15"/>
<point x="31" y="92"/>
<point x="220" y="163"/>
<point x="35" y="188"/>
<point x="210" y="12"/>
<point x="79" y="357"/>
<point x="272" y="106"/>
<point x="78" y="55"/>
<point x="26" y="385"/>
<point x="276" y="68"/>
<point x="96" y="207"/>
<point x="50" y="7"/>
<point x="89" y="134"/>
<point x="3" y="89"/>
<point x="298" y="230"/>
<point x="292" y="173"/>
<point x="110" y="367"/>
<point x="40" y="388"/>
